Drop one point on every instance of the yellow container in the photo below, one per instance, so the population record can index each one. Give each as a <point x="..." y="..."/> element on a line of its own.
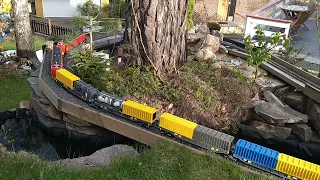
<point x="297" y="168"/>
<point x="177" y="125"/>
<point x="66" y="77"/>
<point x="139" y="111"/>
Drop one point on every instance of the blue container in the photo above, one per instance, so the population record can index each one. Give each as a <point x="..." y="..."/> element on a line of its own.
<point x="257" y="154"/>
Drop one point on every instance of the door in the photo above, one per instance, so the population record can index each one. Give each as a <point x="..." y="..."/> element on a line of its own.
<point x="222" y="10"/>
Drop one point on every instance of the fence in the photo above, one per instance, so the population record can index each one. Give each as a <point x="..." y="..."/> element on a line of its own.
<point x="44" y="26"/>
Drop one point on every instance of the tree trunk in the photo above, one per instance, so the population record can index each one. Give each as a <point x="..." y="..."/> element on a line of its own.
<point x="156" y="34"/>
<point x="23" y="32"/>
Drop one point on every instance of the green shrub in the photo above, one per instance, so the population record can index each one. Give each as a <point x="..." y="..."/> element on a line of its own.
<point x="89" y="65"/>
<point x="190" y="13"/>
<point x="214" y="26"/>
<point x="116" y="9"/>
<point x="88" y="9"/>
<point x="78" y="22"/>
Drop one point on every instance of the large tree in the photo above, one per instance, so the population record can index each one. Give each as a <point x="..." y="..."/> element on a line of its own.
<point x="156" y="34"/>
<point x="23" y="32"/>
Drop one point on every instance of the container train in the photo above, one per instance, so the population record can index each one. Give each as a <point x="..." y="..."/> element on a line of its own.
<point x="238" y="150"/>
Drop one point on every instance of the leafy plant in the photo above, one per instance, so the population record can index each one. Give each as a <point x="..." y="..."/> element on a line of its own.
<point x="88" y="9"/>
<point x="115" y="9"/>
<point x="89" y="65"/>
<point x="261" y="50"/>
<point x="190" y="13"/>
<point x="289" y="53"/>
<point x="213" y="26"/>
<point x="78" y="22"/>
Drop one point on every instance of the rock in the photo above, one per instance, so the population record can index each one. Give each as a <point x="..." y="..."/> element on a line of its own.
<point x="217" y="34"/>
<point x="303" y="131"/>
<point x="101" y="158"/>
<point x="296" y="100"/>
<point x="74" y="120"/>
<point x="87" y="130"/>
<point x="271" y="98"/>
<point x="24" y="104"/>
<point x="25" y="69"/>
<point x="249" y="71"/>
<point x="33" y="80"/>
<point x="223" y="50"/>
<point x="314" y="115"/>
<point x="37" y="90"/>
<point x="315" y="137"/>
<point x="205" y="54"/>
<point x="202" y="28"/>
<point x="208" y="41"/>
<point x="281" y="92"/>
<point x="194" y="38"/>
<point x="269" y="83"/>
<point x="283" y="132"/>
<point x="44" y="100"/>
<point x="275" y="114"/>
<point x="35" y="73"/>
<point x="46" y="110"/>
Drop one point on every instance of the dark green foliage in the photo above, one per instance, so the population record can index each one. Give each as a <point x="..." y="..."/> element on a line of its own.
<point x="78" y="22"/>
<point x="214" y="26"/>
<point x="115" y="9"/>
<point x="89" y="65"/>
<point x="88" y="9"/>
<point x="190" y="13"/>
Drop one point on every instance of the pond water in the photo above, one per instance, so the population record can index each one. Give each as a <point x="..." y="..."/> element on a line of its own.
<point x="25" y="134"/>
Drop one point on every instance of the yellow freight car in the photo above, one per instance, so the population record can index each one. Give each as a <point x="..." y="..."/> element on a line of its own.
<point x="139" y="111"/>
<point x="297" y="168"/>
<point x="66" y="78"/>
<point x="177" y="125"/>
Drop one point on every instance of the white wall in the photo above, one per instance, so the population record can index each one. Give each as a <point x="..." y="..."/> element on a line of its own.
<point x="62" y="8"/>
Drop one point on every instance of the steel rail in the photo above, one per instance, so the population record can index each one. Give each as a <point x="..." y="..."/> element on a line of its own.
<point x="300" y="79"/>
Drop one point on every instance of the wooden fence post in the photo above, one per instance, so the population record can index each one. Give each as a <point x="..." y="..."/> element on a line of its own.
<point x="50" y="27"/>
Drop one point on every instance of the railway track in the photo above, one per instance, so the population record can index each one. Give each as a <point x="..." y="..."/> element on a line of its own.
<point x="300" y="79"/>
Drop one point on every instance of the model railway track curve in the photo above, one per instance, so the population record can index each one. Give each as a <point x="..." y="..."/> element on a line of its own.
<point x="298" y="78"/>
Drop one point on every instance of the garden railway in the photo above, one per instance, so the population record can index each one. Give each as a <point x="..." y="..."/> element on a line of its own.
<point x="73" y="96"/>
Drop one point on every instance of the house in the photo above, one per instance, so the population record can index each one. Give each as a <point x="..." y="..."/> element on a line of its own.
<point x="59" y="8"/>
<point x="51" y="8"/>
<point x="229" y="13"/>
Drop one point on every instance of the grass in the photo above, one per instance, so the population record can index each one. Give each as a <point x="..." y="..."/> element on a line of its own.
<point x="10" y="44"/>
<point x="14" y="88"/>
<point x="164" y="161"/>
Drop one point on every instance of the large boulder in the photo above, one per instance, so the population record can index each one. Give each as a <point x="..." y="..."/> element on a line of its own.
<point x="274" y="114"/>
<point x="194" y="38"/>
<point x="296" y="100"/>
<point x="302" y="131"/>
<point x="271" y="98"/>
<point x="205" y="54"/>
<point x="45" y="109"/>
<point x="314" y="114"/>
<point x="217" y="34"/>
<point x="269" y="83"/>
<point x="283" y="132"/>
<point x="209" y="42"/>
<point x="202" y="28"/>
<point x="101" y="158"/>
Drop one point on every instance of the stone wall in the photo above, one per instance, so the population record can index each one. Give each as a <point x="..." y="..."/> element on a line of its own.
<point x="286" y="112"/>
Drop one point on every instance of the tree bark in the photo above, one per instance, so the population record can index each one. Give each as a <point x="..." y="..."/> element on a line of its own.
<point x="23" y="32"/>
<point x="156" y="34"/>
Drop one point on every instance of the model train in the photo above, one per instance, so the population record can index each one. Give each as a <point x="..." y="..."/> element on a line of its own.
<point x="238" y="150"/>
